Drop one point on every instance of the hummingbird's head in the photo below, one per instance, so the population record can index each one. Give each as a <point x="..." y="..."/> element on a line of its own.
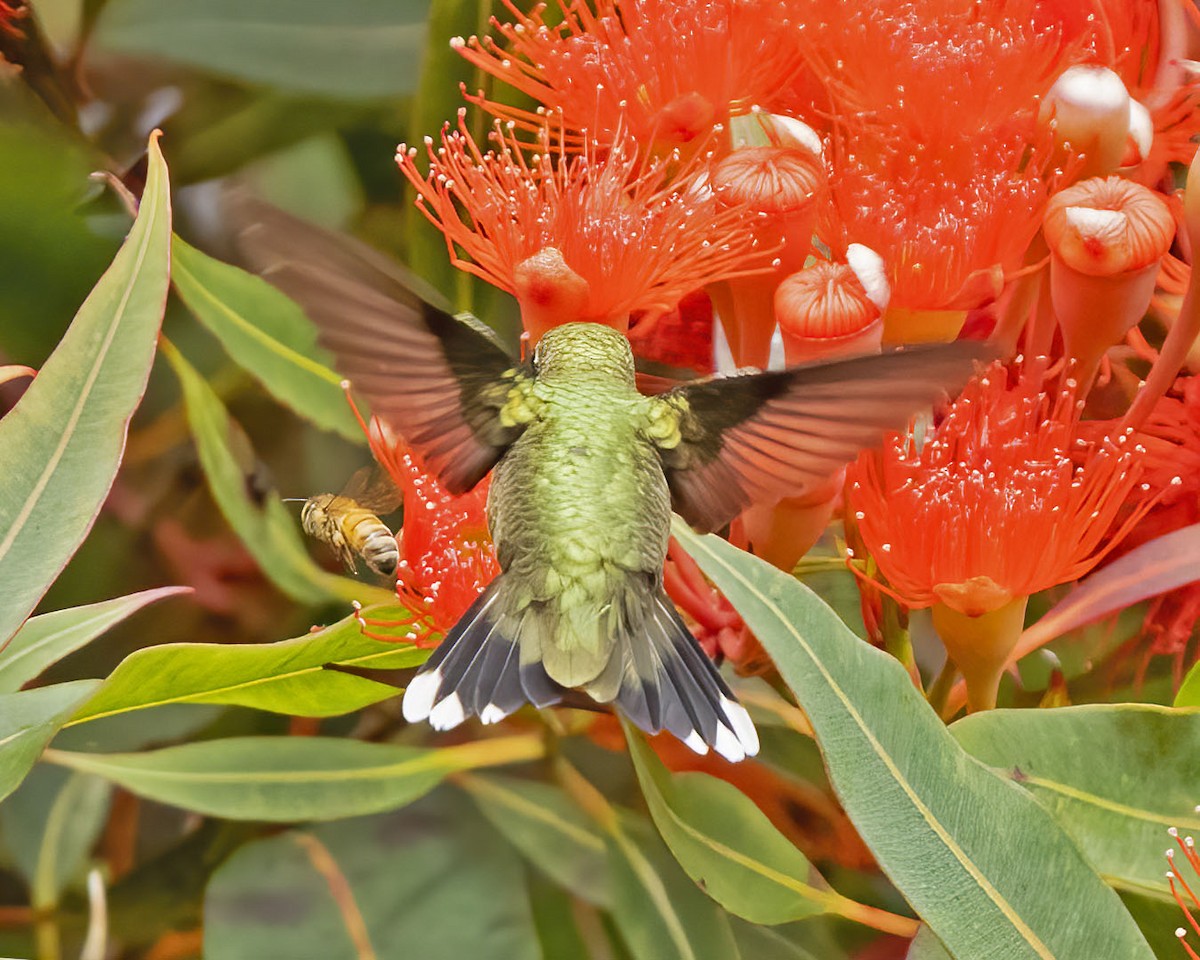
<point x="584" y="350"/>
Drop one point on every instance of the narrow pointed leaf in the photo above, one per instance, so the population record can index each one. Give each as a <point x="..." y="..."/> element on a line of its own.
<point x="45" y="640"/>
<point x="292" y="778"/>
<point x="726" y="844"/>
<point x="657" y="908"/>
<point x="1115" y="776"/>
<point x="267" y="334"/>
<point x="268" y="529"/>
<point x="985" y="866"/>
<point x="286" y="677"/>
<point x="548" y="829"/>
<point x="1155" y="567"/>
<point x="28" y="720"/>
<point x="64" y="439"/>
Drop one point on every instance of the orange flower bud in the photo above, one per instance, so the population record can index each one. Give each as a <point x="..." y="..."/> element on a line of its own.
<point x="1106" y="238"/>
<point x="549" y="292"/>
<point x="782" y="185"/>
<point x="826" y="310"/>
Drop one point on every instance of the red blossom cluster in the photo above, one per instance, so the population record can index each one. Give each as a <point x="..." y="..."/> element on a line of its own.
<point x="849" y="176"/>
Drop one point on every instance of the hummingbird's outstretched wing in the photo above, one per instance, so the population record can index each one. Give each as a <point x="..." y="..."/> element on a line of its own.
<point x="439" y="381"/>
<point x="754" y="438"/>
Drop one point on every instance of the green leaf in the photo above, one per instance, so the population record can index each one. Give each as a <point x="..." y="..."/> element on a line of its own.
<point x="430" y="882"/>
<point x="982" y="863"/>
<point x="293" y="778"/>
<point x="47" y="639"/>
<point x="727" y="845"/>
<point x="72" y="826"/>
<point x="268" y="529"/>
<point x="286" y="677"/>
<point x="926" y="946"/>
<point x="63" y="440"/>
<point x="354" y="48"/>
<point x="265" y="332"/>
<point x="1115" y="776"/>
<point x="27" y="722"/>
<point x="657" y="908"/>
<point x="549" y="830"/>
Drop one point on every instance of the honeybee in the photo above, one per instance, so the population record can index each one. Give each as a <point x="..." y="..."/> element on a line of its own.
<point x="347" y="521"/>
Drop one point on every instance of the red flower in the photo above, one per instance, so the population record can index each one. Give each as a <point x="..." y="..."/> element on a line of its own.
<point x="663" y="71"/>
<point x="1004" y="499"/>
<point x="578" y="237"/>
<point x="446" y="555"/>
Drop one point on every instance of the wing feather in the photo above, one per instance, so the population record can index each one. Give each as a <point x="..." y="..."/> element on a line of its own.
<point x="759" y="437"/>
<point x="437" y="380"/>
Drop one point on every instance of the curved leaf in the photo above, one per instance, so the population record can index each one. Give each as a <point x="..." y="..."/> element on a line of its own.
<point x="727" y="845"/>
<point x="430" y="882"/>
<point x="926" y="946"/>
<point x="1117" y="810"/>
<point x="27" y="722"/>
<point x="267" y="334"/>
<point x="985" y="866"/>
<point x="352" y="49"/>
<point x="293" y="778"/>
<point x="658" y="910"/>
<point x="265" y="525"/>
<point x="47" y="639"/>
<point x="1155" y="567"/>
<point x="64" y="439"/>
<point x="548" y="829"/>
<point x="286" y="677"/>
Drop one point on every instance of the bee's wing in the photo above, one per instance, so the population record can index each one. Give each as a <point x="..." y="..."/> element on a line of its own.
<point x="372" y="488"/>
<point x="437" y="380"/>
<point x="758" y="437"/>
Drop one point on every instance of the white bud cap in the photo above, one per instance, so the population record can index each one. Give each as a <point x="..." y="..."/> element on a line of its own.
<point x="1090" y="108"/>
<point x="868" y="266"/>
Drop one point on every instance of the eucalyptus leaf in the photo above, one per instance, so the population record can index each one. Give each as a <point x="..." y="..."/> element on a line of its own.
<point x="265" y="332"/>
<point x="356" y="49"/>
<point x="28" y="720"/>
<point x="657" y="908"/>
<point x="1115" y="776"/>
<point x="727" y="845"/>
<point x="46" y="639"/>
<point x="926" y="946"/>
<point x="430" y="882"/>
<point x="63" y="441"/>
<point x="548" y="829"/>
<point x="265" y="525"/>
<point x="985" y="866"/>
<point x="290" y="676"/>
<point x="287" y="779"/>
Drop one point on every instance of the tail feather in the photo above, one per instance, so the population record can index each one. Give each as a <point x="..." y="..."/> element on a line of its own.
<point x="664" y="663"/>
<point x="476" y="671"/>
<point x="657" y="675"/>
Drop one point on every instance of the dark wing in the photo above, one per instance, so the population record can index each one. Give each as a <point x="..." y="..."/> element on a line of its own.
<point x="758" y="437"/>
<point x="438" y="381"/>
<point x="373" y="489"/>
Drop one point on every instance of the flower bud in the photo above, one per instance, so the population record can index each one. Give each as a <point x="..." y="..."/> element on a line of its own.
<point x="1089" y="109"/>
<point x="780" y="185"/>
<point x="549" y="292"/>
<point x="827" y="310"/>
<point x="1106" y="237"/>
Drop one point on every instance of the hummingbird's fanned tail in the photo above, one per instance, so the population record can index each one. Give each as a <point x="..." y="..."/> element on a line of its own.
<point x="670" y="684"/>
<point x="477" y="671"/>
<point x="491" y="663"/>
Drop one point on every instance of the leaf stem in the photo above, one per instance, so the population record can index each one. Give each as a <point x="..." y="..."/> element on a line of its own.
<point x="874" y="917"/>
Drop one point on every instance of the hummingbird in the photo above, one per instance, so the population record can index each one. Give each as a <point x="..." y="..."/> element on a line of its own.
<point x="586" y="472"/>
